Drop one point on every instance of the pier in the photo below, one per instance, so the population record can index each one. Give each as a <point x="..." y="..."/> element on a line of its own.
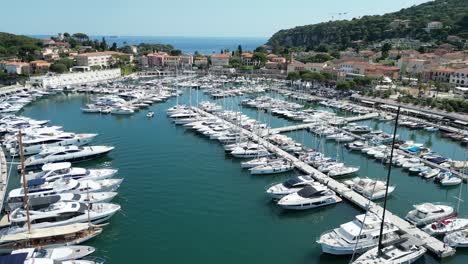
<point x="432" y="244"/>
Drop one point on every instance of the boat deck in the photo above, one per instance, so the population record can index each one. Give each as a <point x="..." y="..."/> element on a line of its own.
<point x="432" y="244"/>
<point x="3" y="178"/>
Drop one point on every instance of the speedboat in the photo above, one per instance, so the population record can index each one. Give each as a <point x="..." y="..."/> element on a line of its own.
<point x="418" y="169"/>
<point x="405" y="250"/>
<point x="255" y="162"/>
<point x="447" y="179"/>
<point x="55" y="171"/>
<point x="59" y="214"/>
<point x="428" y="213"/>
<point x="356" y="145"/>
<point x="458" y="238"/>
<point x="431" y="128"/>
<point x="57" y="253"/>
<point x="68" y="153"/>
<point x="150" y="114"/>
<point x="357" y="236"/>
<point x="413" y="162"/>
<point x="292" y="185"/>
<point x="309" y="197"/>
<point x="430" y="173"/>
<point x="369" y="188"/>
<point x="447" y="225"/>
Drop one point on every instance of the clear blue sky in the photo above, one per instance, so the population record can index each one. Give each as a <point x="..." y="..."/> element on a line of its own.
<point x="248" y="18"/>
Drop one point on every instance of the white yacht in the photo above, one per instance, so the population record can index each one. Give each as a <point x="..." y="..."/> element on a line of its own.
<point x="292" y="185"/>
<point x="430" y="173"/>
<point x="337" y="171"/>
<point x="251" y="151"/>
<point x="273" y="167"/>
<point x="61" y="213"/>
<point x="122" y="110"/>
<point x="446" y="225"/>
<point x="427" y="213"/>
<point x="35" y="145"/>
<point x="356" y="145"/>
<point x="458" y="238"/>
<point x="57" y="253"/>
<point x="68" y="153"/>
<point x="403" y="251"/>
<point x="369" y="188"/>
<point x="55" y="171"/>
<point x="39" y="188"/>
<point x="309" y="197"/>
<point x="357" y="236"/>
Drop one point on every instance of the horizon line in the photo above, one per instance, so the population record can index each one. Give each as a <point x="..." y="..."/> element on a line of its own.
<point x="124" y="35"/>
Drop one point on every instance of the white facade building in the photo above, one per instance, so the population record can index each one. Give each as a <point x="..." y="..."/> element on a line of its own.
<point x="459" y="78"/>
<point x="76" y="78"/>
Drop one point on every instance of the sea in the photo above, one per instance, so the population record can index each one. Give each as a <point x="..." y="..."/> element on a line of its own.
<point x="189" y="45"/>
<point x="185" y="201"/>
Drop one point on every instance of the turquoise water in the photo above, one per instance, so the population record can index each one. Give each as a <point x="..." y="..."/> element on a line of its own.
<point x="183" y="200"/>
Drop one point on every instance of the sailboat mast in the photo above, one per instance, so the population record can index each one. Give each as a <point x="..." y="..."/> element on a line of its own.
<point x="25" y="185"/>
<point x="379" y="248"/>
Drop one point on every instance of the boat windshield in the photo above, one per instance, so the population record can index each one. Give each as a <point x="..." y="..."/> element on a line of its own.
<point x="308" y="191"/>
<point x="291" y="182"/>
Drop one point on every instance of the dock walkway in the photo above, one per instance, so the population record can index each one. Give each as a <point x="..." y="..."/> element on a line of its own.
<point x="434" y="245"/>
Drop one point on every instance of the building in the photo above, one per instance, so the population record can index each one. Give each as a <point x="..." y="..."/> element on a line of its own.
<point x="54" y="80"/>
<point x="102" y="59"/>
<point x="439" y="74"/>
<point x="353" y="67"/>
<point x="15" y="67"/>
<point x="459" y="78"/>
<point x="377" y="71"/>
<point x="399" y="23"/>
<point x="200" y="61"/>
<point x="247" y="58"/>
<point x="299" y="66"/>
<point x="220" y="60"/>
<point x="162" y="59"/>
<point x="433" y="25"/>
<point x="40" y="66"/>
<point x="142" y="61"/>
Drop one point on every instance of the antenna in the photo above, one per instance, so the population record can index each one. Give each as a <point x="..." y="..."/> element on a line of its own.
<point x="379" y="248"/>
<point x="25" y="185"/>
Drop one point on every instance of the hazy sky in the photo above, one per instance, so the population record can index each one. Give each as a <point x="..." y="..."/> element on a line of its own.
<point x="248" y="18"/>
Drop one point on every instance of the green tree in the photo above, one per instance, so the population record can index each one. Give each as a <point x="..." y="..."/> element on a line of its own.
<point x="293" y="76"/>
<point x="114" y="47"/>
<point x="103" y="45"/>
<point x="176" y="52"/>
<point x="80" y="36"/>
<point x="58" y="67"/>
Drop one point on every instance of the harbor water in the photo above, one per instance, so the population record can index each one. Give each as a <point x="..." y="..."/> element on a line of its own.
<point x="183" y="200"/>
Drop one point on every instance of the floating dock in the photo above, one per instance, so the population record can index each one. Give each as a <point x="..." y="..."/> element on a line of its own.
<point x="432" y="244"/>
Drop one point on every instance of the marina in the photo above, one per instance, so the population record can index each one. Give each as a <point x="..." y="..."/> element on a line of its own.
<point x="161" y="150"/>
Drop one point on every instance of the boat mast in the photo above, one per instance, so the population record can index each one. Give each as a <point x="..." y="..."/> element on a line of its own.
<point x="25" y="185"/>
<point x="379" y="247"/>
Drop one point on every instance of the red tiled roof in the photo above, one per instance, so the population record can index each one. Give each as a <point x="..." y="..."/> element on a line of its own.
<point x="222" y="56"/>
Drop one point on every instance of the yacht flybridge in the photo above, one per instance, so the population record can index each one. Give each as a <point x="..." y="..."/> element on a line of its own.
<point x="68" y="153"/>
<point x="357" y="236"/>
<point x="369" y="188"/>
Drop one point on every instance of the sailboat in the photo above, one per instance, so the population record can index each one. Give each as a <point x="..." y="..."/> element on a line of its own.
<point x="407" y="249"/>
<point x="44" y="237"/>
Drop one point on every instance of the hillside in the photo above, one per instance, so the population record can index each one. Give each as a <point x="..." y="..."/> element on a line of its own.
<point x="452" y="13"/>
<point x="18" y="46"/>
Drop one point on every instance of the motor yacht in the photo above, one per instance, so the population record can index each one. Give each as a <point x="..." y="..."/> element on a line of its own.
<point x="428" y="213"/>
<point x="369" y="188"/>
<point x="41" y="188"/>
<point x="447" y="178"/>
<point x="309" y="197"/>
<point x="35" y="144"/>
<point x="55" y="171"/>
<point x="57" y="253"/>
<point x="251" y="151"/>
<point x="291" y="185"/>
<point x="357" y="236"/>
<point x="272" y="167"/>
<point x="430" y="173"/>
<point x="356" y="145"/>
<point x="59" y="214"/>
<point x="68" y="153"/>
